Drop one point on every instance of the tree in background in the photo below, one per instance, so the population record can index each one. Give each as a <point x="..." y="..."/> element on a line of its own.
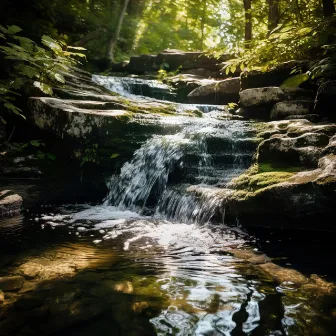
<point x="328" y="8"/>
<point x="114" y="39"/>
<point x="273" y="14"/>
<point x="248" y="22"/>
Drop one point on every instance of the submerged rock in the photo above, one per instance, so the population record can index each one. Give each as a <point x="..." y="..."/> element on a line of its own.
<point x="221" y="92"/>
<point x="10" y="204"/>
<point x="11" y="283"/>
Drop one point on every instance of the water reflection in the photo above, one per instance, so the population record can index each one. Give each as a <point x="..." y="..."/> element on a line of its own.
<point x="145" y="276"/>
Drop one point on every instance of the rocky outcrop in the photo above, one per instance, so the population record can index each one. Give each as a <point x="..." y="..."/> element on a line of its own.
<point x="220" y="92"/>
<point x="271" y="77"/>
<point x="172" y="60"/>
<point x="275" y="103"/>
<point x="294" y="175"/>
<point x="183" y="84"/>
<point x="10" y="204"/>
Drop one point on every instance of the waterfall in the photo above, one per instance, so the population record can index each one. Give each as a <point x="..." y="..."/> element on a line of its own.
<point x="180" y="176"/>
<point x="136" y="87"/>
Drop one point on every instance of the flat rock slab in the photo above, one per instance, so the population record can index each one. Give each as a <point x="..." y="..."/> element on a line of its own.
<point x="220" y="92"/>
<point x="271" y="95"/>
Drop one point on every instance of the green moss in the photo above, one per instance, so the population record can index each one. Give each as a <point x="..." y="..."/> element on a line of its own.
<point x="261" y="176"/>
<point x="271" y="167"/>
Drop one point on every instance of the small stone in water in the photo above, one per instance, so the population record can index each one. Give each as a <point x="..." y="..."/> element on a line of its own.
<point x="2" y="297"/>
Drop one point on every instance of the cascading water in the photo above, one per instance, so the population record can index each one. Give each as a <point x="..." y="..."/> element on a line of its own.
<point x="141" y="263"/>
<point x="178" y="176"/>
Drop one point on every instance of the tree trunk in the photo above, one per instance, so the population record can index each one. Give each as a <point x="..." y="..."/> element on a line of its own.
<point x="328" y="8"/>
<point x="273" y="14"/>
<point x="203" y="23"/>
<point x="248" y="22"/>
<point x="114" y="39"/>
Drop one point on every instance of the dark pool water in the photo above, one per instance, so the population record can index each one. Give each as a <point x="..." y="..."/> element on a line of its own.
<point x="96" y="270"/>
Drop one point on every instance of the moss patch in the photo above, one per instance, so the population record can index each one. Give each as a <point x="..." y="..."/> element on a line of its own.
<point x="260" y="177"/>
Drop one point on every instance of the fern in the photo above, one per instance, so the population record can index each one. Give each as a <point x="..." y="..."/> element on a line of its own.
<point x="31" y="64"/>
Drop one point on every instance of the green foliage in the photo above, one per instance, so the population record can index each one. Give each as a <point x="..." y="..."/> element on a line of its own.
<point x="295" y="81"/>
<point x="30" y="64"/>
<point x="90" y="155"/>
<point x="164" y="74"/>
<point x="34" y="146"/>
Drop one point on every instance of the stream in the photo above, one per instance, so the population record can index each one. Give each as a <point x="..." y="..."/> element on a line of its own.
<point x="157" y="256"/>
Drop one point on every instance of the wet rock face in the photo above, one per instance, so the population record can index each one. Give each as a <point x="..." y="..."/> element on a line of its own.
<point x="221" y="92"/>
<point x="10" y="204"/>
<point x="304" y="150"/>
<point x="294" y="175"/>
<point x="326" y="99"/>
<point x="276" y="103"/>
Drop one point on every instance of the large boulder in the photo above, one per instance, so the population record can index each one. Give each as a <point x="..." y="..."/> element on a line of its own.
<point x="289" y="195"/>
<point x="304" y="150"/>
<point x="222" y="92"/>
<point x="261" y="96"/>
<point x="294" y="176"/>
<point x="183" y="84"/>
<point x="269" y="96"/>
<point x="272" y="77"/>
<point x="290" y="108"/>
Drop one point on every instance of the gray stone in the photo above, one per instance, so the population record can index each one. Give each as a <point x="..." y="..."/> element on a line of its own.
<point x="11" y="283"/>
<point x="331" y="148"/>
<point x="10" y="204"/>
<point x="286" y="109"/>
<point x="261" y="96"/>
<point x="304" y="150"/>
<point x="222" y="92"/>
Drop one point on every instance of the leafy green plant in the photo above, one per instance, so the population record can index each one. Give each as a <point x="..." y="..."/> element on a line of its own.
<point x="164" y="74"/>
<point x="32" y="146"/>
<point x="285" y="43"/>
<point x="31" y="64"/>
